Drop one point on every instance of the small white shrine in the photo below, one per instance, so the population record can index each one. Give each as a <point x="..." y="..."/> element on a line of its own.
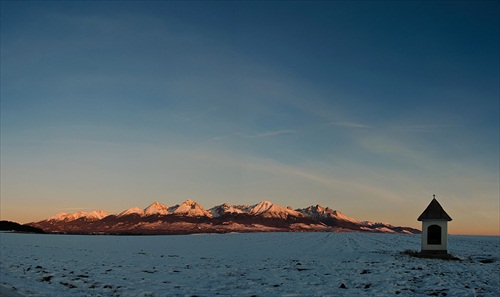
<point x="434" y="229"/>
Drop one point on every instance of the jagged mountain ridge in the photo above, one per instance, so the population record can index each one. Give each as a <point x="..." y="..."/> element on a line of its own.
<point x="191" y="217"/>
<point x="91" y="216"/>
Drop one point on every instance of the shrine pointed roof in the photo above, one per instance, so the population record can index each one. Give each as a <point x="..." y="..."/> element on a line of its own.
<point x="434" y="212"/>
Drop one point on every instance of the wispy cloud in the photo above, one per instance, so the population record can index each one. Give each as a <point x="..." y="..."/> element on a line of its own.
<point x="351" y="125"/>
<point x="393" y="147"/>
<point x="266" y="134"/>
<point x="304" y="175"/>
<point x="272" y="133"/>
<point x="422" y="128"/>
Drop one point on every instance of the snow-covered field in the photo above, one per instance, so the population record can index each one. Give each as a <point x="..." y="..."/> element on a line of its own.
<point x="261" y="264"/>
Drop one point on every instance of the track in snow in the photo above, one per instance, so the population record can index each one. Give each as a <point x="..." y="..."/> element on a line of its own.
<point x="263" y="264"/>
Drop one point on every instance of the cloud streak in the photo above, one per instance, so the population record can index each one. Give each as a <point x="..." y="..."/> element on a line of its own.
<point x="351" y="125"/>
<point x="424" y="128"/>
<point x="273" y="133"/>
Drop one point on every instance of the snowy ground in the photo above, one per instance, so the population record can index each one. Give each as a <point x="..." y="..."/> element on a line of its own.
<point x="261" y="264"/>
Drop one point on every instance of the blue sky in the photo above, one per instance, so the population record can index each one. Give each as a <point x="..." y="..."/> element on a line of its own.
<point x="366" y="107"/>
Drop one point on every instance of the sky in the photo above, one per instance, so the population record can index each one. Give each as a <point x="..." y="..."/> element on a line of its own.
<point x="368" y="107"/>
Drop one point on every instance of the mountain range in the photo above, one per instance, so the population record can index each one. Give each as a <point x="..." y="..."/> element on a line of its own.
<point x="190" y="217"/>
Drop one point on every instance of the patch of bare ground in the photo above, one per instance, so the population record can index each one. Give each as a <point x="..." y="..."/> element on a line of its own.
<point x="443" y="256"/>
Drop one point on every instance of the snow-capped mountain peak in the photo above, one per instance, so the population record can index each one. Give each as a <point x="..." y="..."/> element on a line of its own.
<point x="133" y="210"/>
<point x="318" y="212"/>
<point x="96" y="215"/>
<point x="67" y="217"/>
<point x="271" y="210"/>
<point x="261" y="207"/>
<point x="219" y="210"/>
<point x="189" y="208"/>
<point x="156" y="208"/>
<point x="342" y="216"/>
<point x="58" y="217"/>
